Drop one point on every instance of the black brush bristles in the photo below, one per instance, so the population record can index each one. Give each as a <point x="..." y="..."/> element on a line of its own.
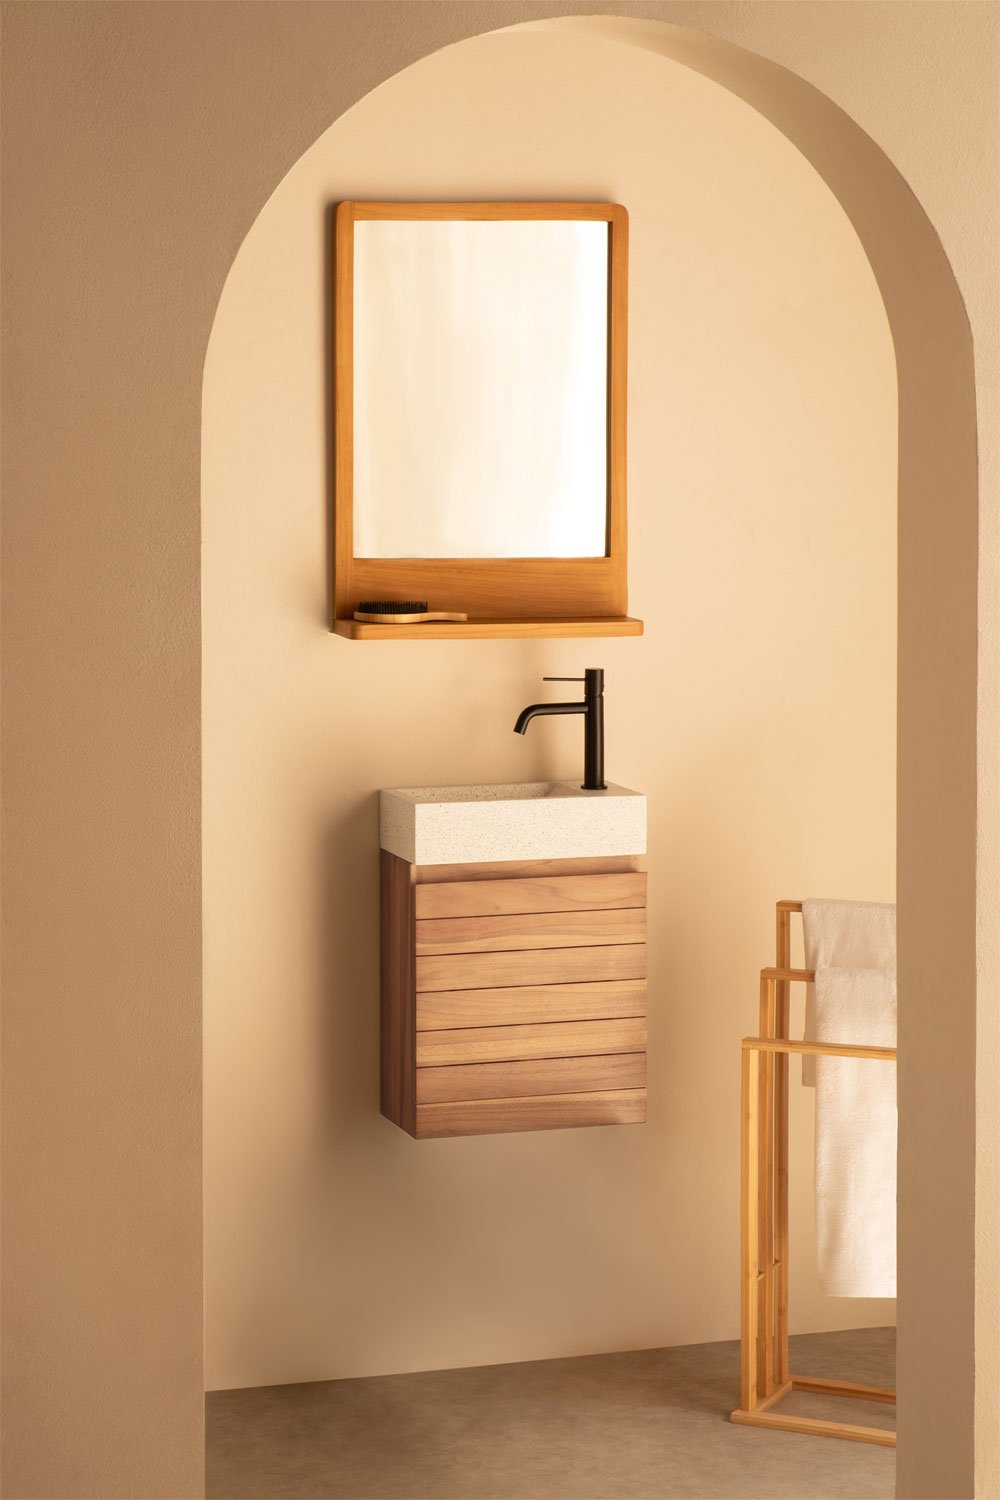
<point x="393" y="607"/>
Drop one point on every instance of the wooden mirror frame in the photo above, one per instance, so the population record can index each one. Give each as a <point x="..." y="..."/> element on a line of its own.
<point x="547" y="596"/>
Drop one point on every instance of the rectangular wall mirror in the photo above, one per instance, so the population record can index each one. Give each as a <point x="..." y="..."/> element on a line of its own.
<point x="480" y="370"/>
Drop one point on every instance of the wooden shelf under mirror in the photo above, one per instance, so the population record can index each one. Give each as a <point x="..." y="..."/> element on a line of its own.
<point x="444" y="444"/>
<point x="486" y="630"/>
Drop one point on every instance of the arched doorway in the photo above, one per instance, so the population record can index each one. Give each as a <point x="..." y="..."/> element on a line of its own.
<point x="937" y="638"/>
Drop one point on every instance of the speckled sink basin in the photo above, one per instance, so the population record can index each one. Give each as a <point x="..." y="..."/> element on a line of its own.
<point x="447" y="825"/>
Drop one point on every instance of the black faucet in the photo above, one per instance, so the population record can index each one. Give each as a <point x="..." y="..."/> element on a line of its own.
<point x="592" y="708"/>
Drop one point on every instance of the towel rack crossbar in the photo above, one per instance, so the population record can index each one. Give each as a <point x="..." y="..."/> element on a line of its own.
<point x="817" y="1049"/>
<point x="764" y="1351"/>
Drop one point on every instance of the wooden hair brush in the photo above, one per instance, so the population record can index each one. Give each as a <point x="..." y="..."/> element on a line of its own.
<point x="402" y="612"/>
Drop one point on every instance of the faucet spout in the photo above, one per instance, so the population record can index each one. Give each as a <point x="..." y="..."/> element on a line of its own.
<point x="527" y="714"/>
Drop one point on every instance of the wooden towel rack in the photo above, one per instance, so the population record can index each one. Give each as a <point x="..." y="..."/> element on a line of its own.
<point x="764" y="1373"/>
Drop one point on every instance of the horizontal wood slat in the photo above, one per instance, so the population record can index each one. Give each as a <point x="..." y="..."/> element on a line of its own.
<point x="563" y="929"/>
<point x="547" y="1112"/>
<point x="447" y="1009"/>
<point x="497" y="898"/>
<point x="547" y="1075"/>
<point x="517" y="869"/>
<point x="482" y="1044"/>
<point x="475" y="971"/>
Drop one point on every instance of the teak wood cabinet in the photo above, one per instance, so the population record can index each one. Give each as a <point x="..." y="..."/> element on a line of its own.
<point x="513" y="995"/>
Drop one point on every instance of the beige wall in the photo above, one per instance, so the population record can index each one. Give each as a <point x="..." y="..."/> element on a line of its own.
<point x="139" y="145"/>
<point x="758" y="713"/>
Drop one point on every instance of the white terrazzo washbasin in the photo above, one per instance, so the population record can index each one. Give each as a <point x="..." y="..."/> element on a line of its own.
<point x="453" y="825"/>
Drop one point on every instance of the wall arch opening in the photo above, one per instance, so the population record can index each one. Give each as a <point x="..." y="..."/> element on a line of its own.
<point x="936" y="454"/>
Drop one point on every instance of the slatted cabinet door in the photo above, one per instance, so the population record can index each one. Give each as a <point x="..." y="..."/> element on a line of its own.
<point x="513" y="1002"/>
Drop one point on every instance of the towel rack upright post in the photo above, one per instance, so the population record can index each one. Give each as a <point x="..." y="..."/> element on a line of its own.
<point x="783" y="960"/>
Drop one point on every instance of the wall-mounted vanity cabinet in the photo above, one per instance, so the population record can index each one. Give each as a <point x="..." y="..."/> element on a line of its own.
<point x="513" y="989"/>
<point x="479" y="392"/>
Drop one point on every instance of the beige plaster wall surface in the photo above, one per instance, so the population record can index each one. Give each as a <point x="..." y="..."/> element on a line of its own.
<point x="758" y="713"/>
<point x="139" y="145"/>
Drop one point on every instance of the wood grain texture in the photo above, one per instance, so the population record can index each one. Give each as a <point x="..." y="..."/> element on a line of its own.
<point x="495" y="898"/>
<point x="765" y="1193"/>
<point x="515" y="1080"/>
<point x="881" y="1437"/>
<point x="617" y="410"/>
<point x="475" y="971"/>
<point x="451" y="1009"/>
<point x="397" y="1037"/>
<point x="749" y="1230"/>
<point x="546" y="1112"/>
<point x="343" y="406"/>
<point x="493" y="591"/>
<point x="563" y="929"/>
<point x="849" y="1388"/>
<point x="481" y="1044"/>
<point x="576" y="628"/>
<point x="496" y="210"/>
<point x="509" y="869"/>
<point x="523" y="597"/>
<point x="783" y="961"/>
<point x="764" y="1374"/>
<point x="513" y="1039"/>
<point x="820" y="1049"/>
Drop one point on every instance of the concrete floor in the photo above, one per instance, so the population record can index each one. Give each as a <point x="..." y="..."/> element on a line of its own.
<point x="641" y="1426"/>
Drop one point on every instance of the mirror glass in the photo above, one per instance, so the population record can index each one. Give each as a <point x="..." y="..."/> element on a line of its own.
<point x="480" y="388"/>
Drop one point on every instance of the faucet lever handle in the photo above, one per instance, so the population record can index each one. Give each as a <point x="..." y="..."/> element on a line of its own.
<point x="564" y="679"/>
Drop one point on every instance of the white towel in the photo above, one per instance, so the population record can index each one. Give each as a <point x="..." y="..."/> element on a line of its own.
<point x="856" y="1136"/>
<point x="844" y="935"/>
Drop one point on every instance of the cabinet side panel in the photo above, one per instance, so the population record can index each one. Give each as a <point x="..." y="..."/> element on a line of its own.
<point x="398" y="1001"/>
